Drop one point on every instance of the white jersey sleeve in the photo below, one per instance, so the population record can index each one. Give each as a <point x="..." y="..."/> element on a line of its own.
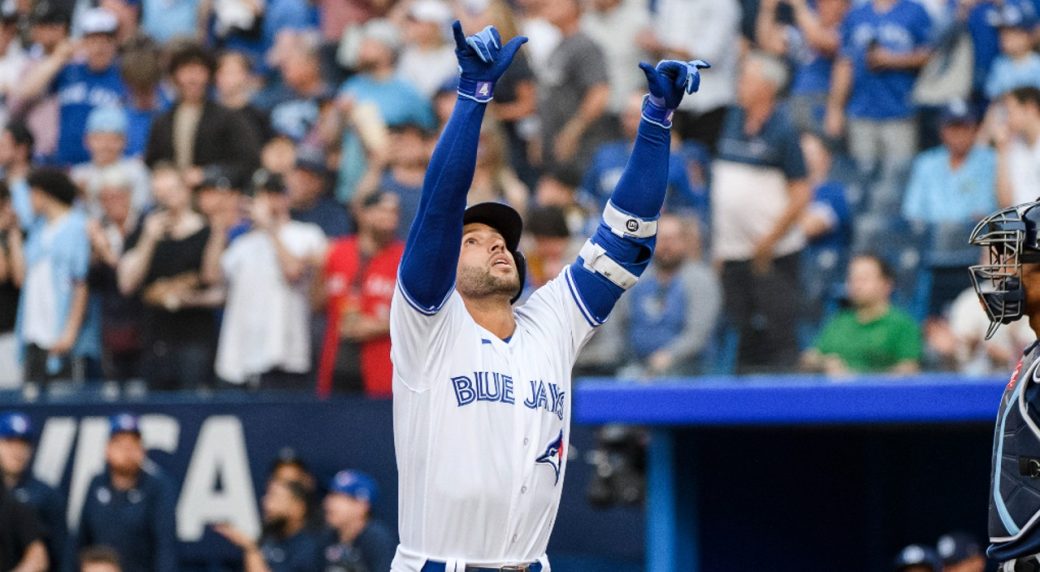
<point x="418" y="336"/>
<point x="557" y="311"/>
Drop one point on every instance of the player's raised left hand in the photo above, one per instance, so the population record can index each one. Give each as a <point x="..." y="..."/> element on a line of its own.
<point x="670" y="79"/>
<point x="482" y="60"/>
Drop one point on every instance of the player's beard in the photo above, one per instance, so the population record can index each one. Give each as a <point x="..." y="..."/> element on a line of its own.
<point x="477" y="282"/>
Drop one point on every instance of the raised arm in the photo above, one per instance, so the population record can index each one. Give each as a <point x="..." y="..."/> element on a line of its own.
<point x="427" y="272"/>
<point x="620" y="250"/>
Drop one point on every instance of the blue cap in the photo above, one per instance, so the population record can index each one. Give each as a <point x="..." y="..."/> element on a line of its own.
<point x="1014" y="14"/>
<point x="958" y="111"/>
<point x="15" y="425"/>
<point x="355" y="484"/>
<point x="918" y="555"/>
<point x="123" y="423"/>
<point x="957" y="547"/>
<point x="107" y="119"/>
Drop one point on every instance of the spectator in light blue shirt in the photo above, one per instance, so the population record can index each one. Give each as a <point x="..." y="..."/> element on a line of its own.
<point x="955" y="182"/>
<point x="1017" y="65"/>
<point x="951" y="187"/>
<point x="398" y="102"/>
<point x="884" y="44"/>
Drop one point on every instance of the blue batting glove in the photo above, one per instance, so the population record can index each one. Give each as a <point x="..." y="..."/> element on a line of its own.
<point x="482" y="60"/>
<point x="667" y="83"/>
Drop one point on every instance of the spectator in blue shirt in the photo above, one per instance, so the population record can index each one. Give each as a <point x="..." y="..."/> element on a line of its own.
<point x="610" y="159"/>
<point x="357" y="541"/>
<point x="16" y="450"/>
<point x="286" y="544"/>
<point x="309" y="197"/>
<point x="827" y="225"/>
<point x="883" y="45"/>
<point x="670" y="314"/>
<point x="55" y="333"/>
<point x="951" y="187"/>
<point x="376" y="82"/>
<point x="130" y="506"/>
<point x="810" y="43"/>
<point x="296" y="105"/>
<point x="955" y="182"/>
<point x="80" y="85"/>
<point x="1017" y="65"/>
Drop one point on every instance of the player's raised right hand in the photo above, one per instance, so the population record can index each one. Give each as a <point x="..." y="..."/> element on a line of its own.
<point x="482" y="60"/>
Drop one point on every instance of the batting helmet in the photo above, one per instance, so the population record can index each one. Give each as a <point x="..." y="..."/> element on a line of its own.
<point x="1011" y="237"/>
<point x="508" y="223"/>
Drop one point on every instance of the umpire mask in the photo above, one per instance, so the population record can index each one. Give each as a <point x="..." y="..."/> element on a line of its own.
<point x="1010" y="237"/>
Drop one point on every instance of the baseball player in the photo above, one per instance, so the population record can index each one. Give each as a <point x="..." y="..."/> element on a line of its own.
<point x="482" y="388"/>
<point x="1009" y="288"/>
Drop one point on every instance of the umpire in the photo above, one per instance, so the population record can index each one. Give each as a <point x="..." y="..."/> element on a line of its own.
<point x="16" y="450"/>
<point x="130" y="507"/>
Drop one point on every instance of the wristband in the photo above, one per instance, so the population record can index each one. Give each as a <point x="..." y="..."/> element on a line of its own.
<point x="654" y="111"/>
<point x="479" y="91"/>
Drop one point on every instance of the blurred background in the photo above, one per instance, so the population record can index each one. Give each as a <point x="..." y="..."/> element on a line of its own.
<point x="203" y="204"/>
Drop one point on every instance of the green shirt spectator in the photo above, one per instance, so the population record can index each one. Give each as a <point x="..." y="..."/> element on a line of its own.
<point x="871" y="336"/>
<point x="877" y="344"/>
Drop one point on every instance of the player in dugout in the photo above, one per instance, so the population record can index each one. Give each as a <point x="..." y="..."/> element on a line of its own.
<point x="481" y="388"/>
<point x="1009" y="287"/>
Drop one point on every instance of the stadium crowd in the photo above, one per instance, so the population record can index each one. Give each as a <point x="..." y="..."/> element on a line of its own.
<point x="213" y="195"/>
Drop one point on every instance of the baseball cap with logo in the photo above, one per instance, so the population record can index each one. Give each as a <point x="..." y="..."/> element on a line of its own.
<point x="14" y="425"/>
<point x="124" y="423"/>
<point x="355" y="484"/>
<point x="917" y="555"/>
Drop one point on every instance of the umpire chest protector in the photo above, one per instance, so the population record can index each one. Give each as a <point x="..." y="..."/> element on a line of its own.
<point x="1014" y="509"/>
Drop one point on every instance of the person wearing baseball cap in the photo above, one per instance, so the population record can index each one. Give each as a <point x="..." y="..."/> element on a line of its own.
<point x="130" y="506"/>
<point x="1017" y="65"/>
<point x="308" y="186"/>
<point x="268" y="271"/>
<point x="80" y="85"/>
<point x="917" y="558"/>
<point x="16" y="450"/>
<point x="106" y="142"/>
<point x="960" y="552"/>
<point x="357" y="542"/>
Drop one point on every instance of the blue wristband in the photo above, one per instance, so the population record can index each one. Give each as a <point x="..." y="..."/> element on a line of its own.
<point x="655" y="112"/>
<point x="479" y="91"/>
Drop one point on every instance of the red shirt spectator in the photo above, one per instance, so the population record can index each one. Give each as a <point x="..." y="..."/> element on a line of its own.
<point x="360" y="276"/>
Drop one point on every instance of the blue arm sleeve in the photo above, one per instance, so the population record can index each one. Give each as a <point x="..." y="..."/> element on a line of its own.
<point x="640" y="192"/>
<point x="431" y="254"/>
<point x="641" y="189"/>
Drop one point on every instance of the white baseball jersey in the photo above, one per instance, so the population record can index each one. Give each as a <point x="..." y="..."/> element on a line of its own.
<point x="481" y="427"/>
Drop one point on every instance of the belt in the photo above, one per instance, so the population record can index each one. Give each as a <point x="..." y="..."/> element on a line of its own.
<point x="433" y="566"/>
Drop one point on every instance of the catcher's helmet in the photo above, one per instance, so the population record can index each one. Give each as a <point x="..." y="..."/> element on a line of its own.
<point x="508" y="223"/>
<point x="1011" y="237"/>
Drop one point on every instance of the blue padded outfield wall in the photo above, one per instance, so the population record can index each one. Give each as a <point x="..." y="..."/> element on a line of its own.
<point x="784" y="474"/>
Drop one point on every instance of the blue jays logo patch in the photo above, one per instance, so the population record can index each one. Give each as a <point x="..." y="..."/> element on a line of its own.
<point x="553" y="456"/>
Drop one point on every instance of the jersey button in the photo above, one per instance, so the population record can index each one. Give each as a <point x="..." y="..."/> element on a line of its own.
<point x="523" y="489"/>
<point x="514" y="538"/>
<point x="526" y="441"/>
